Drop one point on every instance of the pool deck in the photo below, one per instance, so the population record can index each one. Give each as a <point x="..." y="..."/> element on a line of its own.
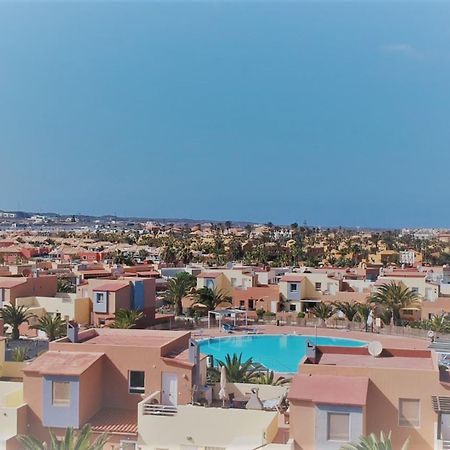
<point x="388" y="341"/>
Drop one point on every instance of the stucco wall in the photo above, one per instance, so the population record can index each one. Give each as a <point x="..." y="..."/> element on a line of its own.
<point x="236" y="429"/>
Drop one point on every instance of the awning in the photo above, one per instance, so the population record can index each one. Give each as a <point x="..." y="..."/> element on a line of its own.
<point x="441" y="404"/>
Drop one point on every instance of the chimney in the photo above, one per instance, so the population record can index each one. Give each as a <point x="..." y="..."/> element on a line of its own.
<point x="72" y="331"/>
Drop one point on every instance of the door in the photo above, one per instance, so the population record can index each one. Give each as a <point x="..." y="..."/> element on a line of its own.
<point x="169" y="388"/>
<point x="274" y="306"/>
<point x="445" y="426"/>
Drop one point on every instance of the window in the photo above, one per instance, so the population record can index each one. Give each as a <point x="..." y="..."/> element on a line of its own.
<point x="128" y="445"/>
<point x="61" y="393"/>
<point x="293" y="287"/>
<point x="292" y="307"/>
<point x="409" y="412"/>
<point x="318" y="286"/>
<point x="209" y="283"/>
<point x="338" y="427"/>
<point x="415" y="290"/>
<point x="136" y="382"/>
<point x="100" y="298"/>
<point x="2" y="296"/>
<point x="233" y="282"/>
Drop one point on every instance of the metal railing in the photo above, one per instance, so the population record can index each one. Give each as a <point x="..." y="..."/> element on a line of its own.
<point x="159" y="410"/>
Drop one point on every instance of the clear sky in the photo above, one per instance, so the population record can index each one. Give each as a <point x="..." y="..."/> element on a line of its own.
<point x="335" y="113"/>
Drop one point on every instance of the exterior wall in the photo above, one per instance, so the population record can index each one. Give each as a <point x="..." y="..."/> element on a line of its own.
<point x="263" y="297"/>
<point x="414" y="282"/>
<point x="386" y="387"/>
<point x="302" y="425"/>
<point x="91" y="391"/>
<point x="68" y="306"/>
<point x="220" y="283"/>
<point x="60" y="416"/>
<point x="441" y="305"/>
<point x="44" y="285"/>
<point x="120" y="360"/>
<point x="321" y="435"/>
<point x="236" y="429"/>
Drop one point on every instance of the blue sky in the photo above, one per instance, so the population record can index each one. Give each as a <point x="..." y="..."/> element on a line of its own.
<point x="334" y="113"/>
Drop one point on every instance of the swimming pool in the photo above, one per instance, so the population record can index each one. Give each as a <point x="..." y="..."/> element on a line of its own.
<point x="280" y="353"/>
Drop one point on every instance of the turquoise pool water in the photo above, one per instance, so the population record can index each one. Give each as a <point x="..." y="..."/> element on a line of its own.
<point x="280" y="353"/>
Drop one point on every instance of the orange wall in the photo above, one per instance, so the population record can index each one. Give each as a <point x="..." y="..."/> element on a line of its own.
<point x="42" y="286"/>
<point x="119" y="360"/>
<point x="385" y="388"/>
<point x="91" y="391"/>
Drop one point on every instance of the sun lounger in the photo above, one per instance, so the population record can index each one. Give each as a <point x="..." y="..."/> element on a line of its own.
<point x="253" y="330"/>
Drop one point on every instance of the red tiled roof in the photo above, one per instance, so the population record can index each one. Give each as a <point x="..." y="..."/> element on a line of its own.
<point x="209" y="274"/>
<point x="63" y="363"/>
<point x="110" y="287"/>
<point x="292" y="278"/>
<point x="115" y="420"/>
<point x="330" y="389"/>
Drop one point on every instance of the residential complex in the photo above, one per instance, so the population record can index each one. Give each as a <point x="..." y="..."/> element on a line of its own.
<point x="330" y="361"/>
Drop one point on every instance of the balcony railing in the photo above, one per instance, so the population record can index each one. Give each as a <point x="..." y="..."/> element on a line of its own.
<point x="159" y="410"/>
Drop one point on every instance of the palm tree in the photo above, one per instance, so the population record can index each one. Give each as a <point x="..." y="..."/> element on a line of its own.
<point x="126" y="318"/>
<point x="348" y="309"/>
<point x="82" y="440"/>
<point x="177" y="288"/>
<point x="269" y="378"/>
<point x="65" y="286"/>
<point x="15" y="316"/>
<point x="323" y="311"/>
<point x="439" y="324"/>
<point x="363" y="313"/>
<point x="238" y="371"/>
<point x="53" y="327"/>
<point x="392" y="297"/>
<point x="373" y="442"/>
<point x="211" y="297"/>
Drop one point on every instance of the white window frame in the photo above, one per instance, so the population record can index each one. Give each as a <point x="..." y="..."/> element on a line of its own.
<point x="318" y="286"/>
<point x="293" y="284"/>
<point x="138" y="390"/>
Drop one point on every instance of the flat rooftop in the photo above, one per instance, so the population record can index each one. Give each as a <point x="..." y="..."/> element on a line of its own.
<point x="360" y="357"/>
<point x="128" y="338"/>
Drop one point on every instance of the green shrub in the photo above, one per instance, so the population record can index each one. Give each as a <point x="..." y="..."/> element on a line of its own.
<point x="19" y="354"/>
<point x="269" y="314"/>
<point x="301" y="315"/>
<point x="260" y="313"/>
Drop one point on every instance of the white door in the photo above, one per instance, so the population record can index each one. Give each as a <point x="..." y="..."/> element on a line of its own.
<point x="170" y="388"/>
<point x="445" y="427"/>
<point x="274" y="306"/>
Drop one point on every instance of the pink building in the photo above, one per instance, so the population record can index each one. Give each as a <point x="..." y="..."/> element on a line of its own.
<point x="342" y="393"/>
<point x="101" y="377"/>
<point x="16" y="287"/>
<point x="108" y="296"/>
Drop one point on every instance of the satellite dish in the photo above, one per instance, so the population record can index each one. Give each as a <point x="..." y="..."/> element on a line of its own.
<point x="375" y="348"/>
